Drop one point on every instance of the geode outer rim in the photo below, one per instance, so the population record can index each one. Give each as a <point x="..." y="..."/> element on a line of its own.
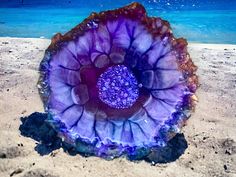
<point x="185" y="65"/>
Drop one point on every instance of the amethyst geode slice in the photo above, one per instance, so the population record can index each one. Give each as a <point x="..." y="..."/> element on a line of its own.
<point x="118" y="83"/>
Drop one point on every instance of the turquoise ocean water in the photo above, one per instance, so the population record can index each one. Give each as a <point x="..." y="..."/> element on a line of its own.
<point x="213" y="23"/>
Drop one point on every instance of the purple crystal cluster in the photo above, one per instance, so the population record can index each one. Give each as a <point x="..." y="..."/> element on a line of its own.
<point x="118" y="83"/>
<point x="118" y="87"/>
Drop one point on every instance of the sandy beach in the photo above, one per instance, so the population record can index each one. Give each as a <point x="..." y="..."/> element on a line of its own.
<point x="210" y="133"/>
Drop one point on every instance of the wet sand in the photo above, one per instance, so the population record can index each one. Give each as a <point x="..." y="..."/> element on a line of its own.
<point x="210" y="134"/>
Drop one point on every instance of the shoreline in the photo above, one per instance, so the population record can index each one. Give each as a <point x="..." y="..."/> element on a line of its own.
<point x="210" y="132"/>
<point x="189" y="42"/>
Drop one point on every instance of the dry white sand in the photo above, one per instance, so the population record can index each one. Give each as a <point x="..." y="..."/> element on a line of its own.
<point x="210" y="132"/>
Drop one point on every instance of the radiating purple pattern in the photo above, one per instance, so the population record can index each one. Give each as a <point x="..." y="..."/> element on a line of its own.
<point x="116" y="88"/>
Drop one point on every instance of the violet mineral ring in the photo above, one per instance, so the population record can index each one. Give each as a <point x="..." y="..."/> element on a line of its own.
<point x="118" y="84"/>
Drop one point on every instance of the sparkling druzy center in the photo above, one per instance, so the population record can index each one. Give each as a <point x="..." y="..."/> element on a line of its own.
<point x="118" y="87"/>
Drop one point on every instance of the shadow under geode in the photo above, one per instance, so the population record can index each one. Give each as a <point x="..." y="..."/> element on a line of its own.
<point x="35" y="127"/>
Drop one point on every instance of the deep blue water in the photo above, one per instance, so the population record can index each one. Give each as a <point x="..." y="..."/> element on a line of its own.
<point x="211" y="21"/>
